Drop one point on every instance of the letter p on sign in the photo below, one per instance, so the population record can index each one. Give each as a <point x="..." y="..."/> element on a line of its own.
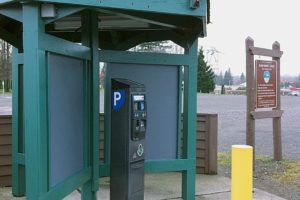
<point x="118" y="99"/>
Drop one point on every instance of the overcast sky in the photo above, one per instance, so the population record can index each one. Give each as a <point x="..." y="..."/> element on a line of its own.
<point x="265" y="21"/>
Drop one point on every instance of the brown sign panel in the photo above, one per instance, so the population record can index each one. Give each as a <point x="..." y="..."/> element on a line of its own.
<point x="266" y="84"/>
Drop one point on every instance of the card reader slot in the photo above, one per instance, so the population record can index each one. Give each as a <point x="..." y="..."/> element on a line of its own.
<point x="137" y="164"/>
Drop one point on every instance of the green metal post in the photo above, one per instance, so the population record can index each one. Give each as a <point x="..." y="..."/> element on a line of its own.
<point x="35" y="104"/>
<point x="90" y="39"/>
<point x="189" y="122"/>
<point x="179" y="123"/>
<point x="95" y="100"/>
<point x="18" y="170"/>
<point x="107" y="116"/>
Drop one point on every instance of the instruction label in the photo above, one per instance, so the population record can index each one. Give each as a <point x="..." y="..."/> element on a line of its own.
<point x="266" y="84"/>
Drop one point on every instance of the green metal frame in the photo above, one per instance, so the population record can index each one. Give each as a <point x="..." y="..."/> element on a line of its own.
<point x="180" y="7"/>
<point x="186" y="164"/>
<point x="189" y="120"/>
<point x="34" y="116"/>
<point x="179" y="117"/>
<point x="18" y="157"/>
<point x="90" y="39"/>
<point x="34" y="161"/>
<point x="30" y="105"/>
<point x="12" y="11"/>
<point x="182" y="23"/>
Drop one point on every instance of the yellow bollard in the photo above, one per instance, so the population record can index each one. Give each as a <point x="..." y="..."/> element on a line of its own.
<point x="241" y="172"/>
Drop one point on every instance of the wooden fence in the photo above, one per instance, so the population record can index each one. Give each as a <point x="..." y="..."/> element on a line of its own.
<point x="207" y="144"/>
<point x="5" y="150"/>
<point x="207" y="126"/>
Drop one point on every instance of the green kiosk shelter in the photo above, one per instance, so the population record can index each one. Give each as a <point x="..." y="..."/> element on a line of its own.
<point x="58" y="45"/>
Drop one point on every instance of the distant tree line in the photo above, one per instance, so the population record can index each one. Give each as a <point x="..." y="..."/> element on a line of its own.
<point x="228" y="79"/>
<point x="293" y="83"/>
<point x="225" y="79"/>
<point x="242" y="78"/>
<point x="297" y="82"/>
<point x="5" y="65"/>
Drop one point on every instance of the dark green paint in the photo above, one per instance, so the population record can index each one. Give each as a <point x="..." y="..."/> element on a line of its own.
<point x="12" y="11"/>
<point x="18" y="178"/>
<point x="64" y="47"/>
<point x="189" y="121"/>
<point x="89" y="38"/>
<point x="179" y="24"/>
<point x="68" y="186"/>
<point x="179" y="117"/>
<point x="178" y="7"/>
<point x="130" y="57"/>
<point x="157" y="166"/>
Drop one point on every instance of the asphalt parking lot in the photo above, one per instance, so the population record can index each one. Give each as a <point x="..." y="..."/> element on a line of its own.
<point x="231" y="110"/>
<point x="5" y="104"/>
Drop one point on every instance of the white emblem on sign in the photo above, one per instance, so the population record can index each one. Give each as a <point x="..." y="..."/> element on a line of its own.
<point x="266" y="76"/>
<point x="117" y="97"/>
<point x="140" y="150"/>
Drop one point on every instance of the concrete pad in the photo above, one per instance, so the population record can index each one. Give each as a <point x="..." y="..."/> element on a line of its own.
<point x="257" y="195"/>
<point x="164" y="186"/>
<point x="207" y="184"/>
<point x="262" y="195"/>
<point x="215" y="187"/>
<point x="5" y="194"/>
<point x="73" y="196"/>
<point x="157" y="186"/>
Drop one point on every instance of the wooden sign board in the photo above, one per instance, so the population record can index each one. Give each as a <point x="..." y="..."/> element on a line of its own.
<point x="266" y="84"/>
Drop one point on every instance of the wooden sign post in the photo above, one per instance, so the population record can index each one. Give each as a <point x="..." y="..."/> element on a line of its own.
<point x="263" y="92"/>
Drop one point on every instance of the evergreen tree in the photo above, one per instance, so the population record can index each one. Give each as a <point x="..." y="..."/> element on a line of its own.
<point x="287" y="83"/>
<point x="242" y="78"/>
<point x="297" y="82"/>
<point x="226" y="80"/>
<point x="228" y="77"/>
<point x="205" y="82"/>
<point x="219" y="79"/>
<point x="5" y="64"/>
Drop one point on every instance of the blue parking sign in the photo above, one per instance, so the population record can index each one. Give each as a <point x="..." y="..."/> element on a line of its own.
<point x="118" y="99"/>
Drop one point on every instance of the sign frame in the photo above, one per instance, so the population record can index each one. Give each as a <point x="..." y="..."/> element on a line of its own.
<point x="254" y="113"/>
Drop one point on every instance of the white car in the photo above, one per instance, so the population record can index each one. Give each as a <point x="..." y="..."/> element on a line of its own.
<point x="295" y="93"/>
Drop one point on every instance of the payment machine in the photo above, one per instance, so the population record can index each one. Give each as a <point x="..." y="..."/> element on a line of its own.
<point x="128" y="129"/>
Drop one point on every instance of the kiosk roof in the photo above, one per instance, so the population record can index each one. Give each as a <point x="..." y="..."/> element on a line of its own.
<point x="126" y="22"/>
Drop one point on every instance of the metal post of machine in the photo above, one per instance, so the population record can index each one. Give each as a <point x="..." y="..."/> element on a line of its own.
<point x="128" y="128"/>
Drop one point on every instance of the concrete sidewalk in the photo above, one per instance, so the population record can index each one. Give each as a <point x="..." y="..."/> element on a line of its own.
<point x="164" y="186"/>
